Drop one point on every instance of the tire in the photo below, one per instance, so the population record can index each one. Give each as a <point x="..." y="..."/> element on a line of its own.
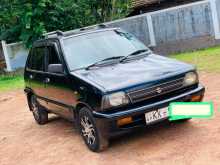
<point x="91" y="132"/>
<point x="40" y="114"/>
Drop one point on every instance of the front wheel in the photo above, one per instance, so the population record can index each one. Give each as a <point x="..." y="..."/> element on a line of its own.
<point x="92" y="135"/>
<point x="40" y="114"/>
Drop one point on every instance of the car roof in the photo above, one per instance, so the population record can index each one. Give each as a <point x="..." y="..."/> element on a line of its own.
<point x="58" y="34"/>
<point x="77" y="32"/>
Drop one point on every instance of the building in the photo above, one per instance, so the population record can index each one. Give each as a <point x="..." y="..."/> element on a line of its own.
<point x="143" y="6"/>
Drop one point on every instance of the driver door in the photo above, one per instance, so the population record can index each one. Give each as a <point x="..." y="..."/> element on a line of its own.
<point x="57" y="88"/>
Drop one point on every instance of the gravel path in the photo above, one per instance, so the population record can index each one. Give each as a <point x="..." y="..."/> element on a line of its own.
<point x="23" y="142"/>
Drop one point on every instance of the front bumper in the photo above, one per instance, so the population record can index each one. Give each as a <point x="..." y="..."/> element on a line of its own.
<point x="149" y="107"/>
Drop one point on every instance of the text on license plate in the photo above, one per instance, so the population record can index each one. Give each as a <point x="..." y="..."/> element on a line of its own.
<point x="159" y="114"/>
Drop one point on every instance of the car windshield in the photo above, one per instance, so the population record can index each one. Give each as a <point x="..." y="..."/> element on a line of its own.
<point x="87" y="49"/>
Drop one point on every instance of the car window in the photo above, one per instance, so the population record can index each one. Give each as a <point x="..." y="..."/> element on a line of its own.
<point x="38" y="59"/>
<point x="53" y="56"/>
<point x="84" y="50"/>
<point x="28" y="64"/>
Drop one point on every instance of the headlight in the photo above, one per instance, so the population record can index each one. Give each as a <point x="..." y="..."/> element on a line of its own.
<point x="115" y="99"/>
<point x="190" y="79"/>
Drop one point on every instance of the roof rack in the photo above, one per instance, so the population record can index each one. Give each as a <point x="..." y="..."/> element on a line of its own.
<point x="102" y="26"/>
<point x="99" y="26"/>
<point x="76" y="31"/>
<point x="54" y="33"/>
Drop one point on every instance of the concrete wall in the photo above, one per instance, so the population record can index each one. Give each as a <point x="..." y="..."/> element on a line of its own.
<point x="177" y="29"/>
<point x="187" y="28"/>
<point x="135" y="25"/>
<point x="218" y="10"/>
<point x="183" y="23"/>
<point x="17" y="54"/>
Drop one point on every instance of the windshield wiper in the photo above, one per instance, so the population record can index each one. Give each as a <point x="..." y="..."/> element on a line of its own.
<point x="121" y="58"/>
<point x="104" y="61"/>
<point x="138" y="52"/>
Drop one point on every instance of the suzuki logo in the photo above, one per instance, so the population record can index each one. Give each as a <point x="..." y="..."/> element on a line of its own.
<point x="159" y="90"/>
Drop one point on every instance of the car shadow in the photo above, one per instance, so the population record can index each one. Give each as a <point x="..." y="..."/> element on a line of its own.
<point x="55" y="118"/>
<point x="148" y="136"/>
<point x="156" y="134"/>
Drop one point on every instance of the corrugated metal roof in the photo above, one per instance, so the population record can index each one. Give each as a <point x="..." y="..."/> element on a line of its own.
<point x="139" y="3"/>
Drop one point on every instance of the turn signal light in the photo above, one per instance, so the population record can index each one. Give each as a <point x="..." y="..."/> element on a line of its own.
<point x="196" y="98"/>
<point x="124" y="121"/>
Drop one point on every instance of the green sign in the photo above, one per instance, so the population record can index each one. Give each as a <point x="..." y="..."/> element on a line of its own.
<point x="185" y="110"/>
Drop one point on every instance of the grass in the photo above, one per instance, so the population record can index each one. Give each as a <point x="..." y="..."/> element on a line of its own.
<point x="207" y="60"/>
<point x="8" y="82"/>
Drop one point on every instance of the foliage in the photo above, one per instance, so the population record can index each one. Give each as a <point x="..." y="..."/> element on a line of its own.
<point x="27" y="20"/>
<point x="207" y="60"/>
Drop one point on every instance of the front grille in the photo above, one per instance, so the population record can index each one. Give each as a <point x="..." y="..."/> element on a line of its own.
<point x="157" y="90"/>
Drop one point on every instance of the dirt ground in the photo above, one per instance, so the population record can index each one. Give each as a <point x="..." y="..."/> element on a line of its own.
<point x="23" y="142"/>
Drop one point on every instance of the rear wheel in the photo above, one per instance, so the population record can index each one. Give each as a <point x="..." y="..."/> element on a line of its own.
<point x="40" y="114"/>
<point x="91" y="132"/>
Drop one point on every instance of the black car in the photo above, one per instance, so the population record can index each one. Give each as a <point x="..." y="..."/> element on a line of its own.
<point x="105" y="81"/>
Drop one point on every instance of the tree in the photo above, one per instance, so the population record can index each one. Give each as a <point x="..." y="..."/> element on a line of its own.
<point x="27" y="20"/>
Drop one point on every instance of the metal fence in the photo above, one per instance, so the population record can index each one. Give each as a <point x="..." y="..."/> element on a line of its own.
<point x="186" y="27"/>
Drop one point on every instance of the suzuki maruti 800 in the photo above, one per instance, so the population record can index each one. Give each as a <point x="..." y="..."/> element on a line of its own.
<point x="105" y="81"/>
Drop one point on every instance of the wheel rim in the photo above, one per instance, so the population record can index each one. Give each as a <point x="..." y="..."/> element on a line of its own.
<point x="88" y="130"/>
<point x="35" y="108"/>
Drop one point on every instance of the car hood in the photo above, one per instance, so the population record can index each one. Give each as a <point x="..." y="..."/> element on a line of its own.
<point x="123" y="75"/>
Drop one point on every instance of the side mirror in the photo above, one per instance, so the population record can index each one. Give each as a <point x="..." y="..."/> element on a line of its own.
<point x="55" y="68"/>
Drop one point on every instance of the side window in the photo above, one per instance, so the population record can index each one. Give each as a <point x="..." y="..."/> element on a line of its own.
<point x="53" y="56"/>
<point x="29" y="60"/>
<point x="38" y="59"/>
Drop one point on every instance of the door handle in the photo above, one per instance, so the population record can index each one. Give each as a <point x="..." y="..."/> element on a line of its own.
<point x="47" y="80"/>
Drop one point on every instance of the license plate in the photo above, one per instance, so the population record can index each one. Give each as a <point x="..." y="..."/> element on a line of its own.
<point x="156" y="115"/>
